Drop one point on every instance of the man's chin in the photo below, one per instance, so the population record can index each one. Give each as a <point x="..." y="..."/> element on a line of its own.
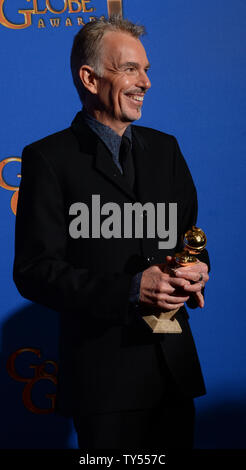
<point x="130" y="117"/>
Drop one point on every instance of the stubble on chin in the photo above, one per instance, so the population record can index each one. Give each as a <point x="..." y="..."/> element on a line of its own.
<point x="127" y="118"/>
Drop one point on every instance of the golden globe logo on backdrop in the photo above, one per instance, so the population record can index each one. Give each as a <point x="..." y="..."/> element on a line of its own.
<point x="59" y="9"/>
<point x="5" y="185"/>
<point x="40" y="373"/>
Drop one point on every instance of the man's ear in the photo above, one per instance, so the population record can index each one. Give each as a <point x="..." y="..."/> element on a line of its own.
<point x="88" y="78"/>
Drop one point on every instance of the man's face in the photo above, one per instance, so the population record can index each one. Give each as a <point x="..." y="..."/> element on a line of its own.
<point x="121" y="90"/>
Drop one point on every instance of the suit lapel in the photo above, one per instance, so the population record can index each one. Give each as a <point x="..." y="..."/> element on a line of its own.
<point x="103" y="162"/>
<point x="147" y="174"/>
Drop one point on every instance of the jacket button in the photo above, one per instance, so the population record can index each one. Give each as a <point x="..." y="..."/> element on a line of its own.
<point x="149" y="259"/>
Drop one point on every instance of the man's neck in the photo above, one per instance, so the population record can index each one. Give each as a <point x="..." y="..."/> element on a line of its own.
<point x="116" y="126"/>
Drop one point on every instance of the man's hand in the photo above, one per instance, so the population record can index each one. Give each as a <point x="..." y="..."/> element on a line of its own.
<point x="158" y="289"/>
<point x="197" y="274"/>
<point x="165" y="290"/>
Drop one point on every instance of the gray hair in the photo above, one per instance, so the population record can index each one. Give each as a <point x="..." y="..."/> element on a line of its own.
<point x="86" y="45"/>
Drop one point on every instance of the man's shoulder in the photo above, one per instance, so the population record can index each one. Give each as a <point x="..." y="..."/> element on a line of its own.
<point x="57" y="141"/>
<point x="151" y="133"/>
<point x="153" y="137"/>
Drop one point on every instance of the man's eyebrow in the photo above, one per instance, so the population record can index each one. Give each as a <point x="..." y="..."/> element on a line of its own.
<point x="133" y="64"/>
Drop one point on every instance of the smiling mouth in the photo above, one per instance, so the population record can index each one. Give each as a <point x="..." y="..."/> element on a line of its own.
<point x="135" y="98"/>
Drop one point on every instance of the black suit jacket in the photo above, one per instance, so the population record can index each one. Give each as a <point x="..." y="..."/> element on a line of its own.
<point x="109" y="358"/>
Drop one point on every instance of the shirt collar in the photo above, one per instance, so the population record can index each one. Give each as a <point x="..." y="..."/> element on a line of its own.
<point x="110" y="138"/>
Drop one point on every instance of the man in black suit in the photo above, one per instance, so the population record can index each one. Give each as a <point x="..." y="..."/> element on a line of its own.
<point x="125" y="386"/>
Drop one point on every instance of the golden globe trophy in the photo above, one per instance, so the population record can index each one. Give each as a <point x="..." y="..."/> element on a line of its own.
<point x="194" y="242"/>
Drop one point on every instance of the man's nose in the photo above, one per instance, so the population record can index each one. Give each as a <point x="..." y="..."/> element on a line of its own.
<point x="143" y="80"/>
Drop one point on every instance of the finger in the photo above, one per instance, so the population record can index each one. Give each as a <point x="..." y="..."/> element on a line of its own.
<point x="167" y="287"/>
<point x="171" y="299"/>
<point x="199" y="298"/>
<point x="178" y="282"/>
<point x="168" y="306"/>
<point x="196" y="287"/>
<point x="195" y="267"/>
<point x="203" y="267"/>
<point x="163" y="288"/>
<point x="191" y="275"/>
<point x="170" y="260"/>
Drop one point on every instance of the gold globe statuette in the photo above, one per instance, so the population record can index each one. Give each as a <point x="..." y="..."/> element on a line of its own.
<point x="194" y="242"/>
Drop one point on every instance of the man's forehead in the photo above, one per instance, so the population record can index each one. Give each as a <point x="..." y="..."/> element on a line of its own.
<point x="122" y="47"/>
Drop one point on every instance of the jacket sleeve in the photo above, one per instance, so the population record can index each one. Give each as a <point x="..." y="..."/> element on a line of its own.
<point x="41" y="272"/>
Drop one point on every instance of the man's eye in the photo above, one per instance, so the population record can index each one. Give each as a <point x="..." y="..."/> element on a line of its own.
<point x="130" y="69"/>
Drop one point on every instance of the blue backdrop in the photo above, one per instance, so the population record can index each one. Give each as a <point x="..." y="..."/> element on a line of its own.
<point x="197" y="55"/>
